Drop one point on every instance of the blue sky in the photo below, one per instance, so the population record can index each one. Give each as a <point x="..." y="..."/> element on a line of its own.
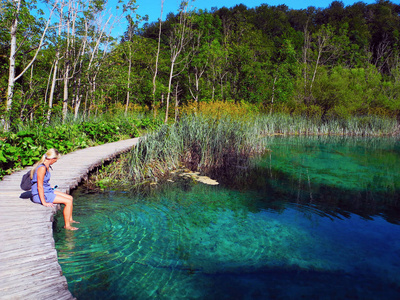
<point x="153" y="7"/>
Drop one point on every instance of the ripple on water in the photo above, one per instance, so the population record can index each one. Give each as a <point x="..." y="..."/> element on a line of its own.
<point x="206" y="242"/>
<point x="143" y="250"/>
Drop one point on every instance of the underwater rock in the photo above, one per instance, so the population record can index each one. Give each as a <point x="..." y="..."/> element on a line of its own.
<point x="203" y="179"/>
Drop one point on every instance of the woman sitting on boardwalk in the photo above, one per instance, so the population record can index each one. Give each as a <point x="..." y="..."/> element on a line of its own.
<point x="43" y="193"/>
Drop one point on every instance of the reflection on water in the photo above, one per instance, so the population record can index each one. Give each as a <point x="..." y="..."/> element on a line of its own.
<point x="317" y="218"/>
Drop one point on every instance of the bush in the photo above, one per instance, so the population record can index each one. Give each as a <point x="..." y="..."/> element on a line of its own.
<point x="26" y="146"/>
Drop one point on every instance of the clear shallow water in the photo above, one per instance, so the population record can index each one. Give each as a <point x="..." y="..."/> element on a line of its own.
<point x="318" y="218"/>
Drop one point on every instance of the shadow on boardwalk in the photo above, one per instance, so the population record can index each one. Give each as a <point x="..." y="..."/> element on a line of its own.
<point x="29" y="267"/>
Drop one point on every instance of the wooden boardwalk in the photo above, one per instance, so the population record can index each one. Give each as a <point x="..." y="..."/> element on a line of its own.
<point x="29" y="267"/>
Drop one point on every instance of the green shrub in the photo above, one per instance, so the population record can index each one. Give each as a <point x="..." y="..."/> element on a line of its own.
<point x="25" y="147"/>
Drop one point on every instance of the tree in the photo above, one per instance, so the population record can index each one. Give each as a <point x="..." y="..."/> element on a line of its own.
<point x="286" y="71"/>
<point x="17" y="11"/>
<point x="180" y="37"/>
<point x="157" y="58"/>
<point x="60" y="9"/>
<point x="319" y="48"/>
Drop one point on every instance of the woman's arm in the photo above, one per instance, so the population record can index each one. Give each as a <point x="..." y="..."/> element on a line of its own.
<point x="41" y="172"/>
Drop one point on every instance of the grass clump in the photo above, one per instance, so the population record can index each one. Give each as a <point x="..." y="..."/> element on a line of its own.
<point x="197" y="142"/>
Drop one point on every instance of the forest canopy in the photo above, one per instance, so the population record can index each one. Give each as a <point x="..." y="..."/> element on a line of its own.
<point x="333" y="62"/>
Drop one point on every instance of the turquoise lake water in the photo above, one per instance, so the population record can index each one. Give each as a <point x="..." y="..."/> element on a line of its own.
<point x="316" y="218"/>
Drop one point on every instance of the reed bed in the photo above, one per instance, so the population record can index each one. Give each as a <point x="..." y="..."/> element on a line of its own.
<point x="222" y="145"/>
<point x="195" y="143"/>
<point x="297" y="121"/>
<point x="298" y="125"/>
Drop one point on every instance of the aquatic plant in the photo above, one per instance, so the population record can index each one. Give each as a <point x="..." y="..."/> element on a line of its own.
<point x="286" y="124"/>
<point x="297" y="121"/>
<point x="196" y="142"/>
<point x="218" y="141"/>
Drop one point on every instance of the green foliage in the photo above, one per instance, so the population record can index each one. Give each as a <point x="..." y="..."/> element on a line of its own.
<point x="101" y="132"/>
<point x="339" y="61"/>
<point x="148" y="123"/>
<point x="348" y="91"/>
<point x="287" y="69"/>
<point x="26" y="146"/>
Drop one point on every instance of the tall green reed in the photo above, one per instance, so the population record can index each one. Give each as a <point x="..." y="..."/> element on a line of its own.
<point x="215" y="146"/>
<point x="299" y="125"/>
<point x="196" y="142"/>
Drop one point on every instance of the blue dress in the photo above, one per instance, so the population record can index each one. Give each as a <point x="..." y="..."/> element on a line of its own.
<point x="48" y="191"/>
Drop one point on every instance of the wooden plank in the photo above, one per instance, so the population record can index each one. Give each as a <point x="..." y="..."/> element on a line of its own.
<point x="29" y="267"/>
<point x="37" y="255"/>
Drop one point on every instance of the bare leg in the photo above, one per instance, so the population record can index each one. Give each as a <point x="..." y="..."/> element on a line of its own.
<point x="64" y="195"/>
<point x="61" y="198"/>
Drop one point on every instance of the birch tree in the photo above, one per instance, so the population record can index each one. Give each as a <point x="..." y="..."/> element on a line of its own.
<point x="78" y="79"/>
<point x="319" y="49"/>
<point x="180" y="37"/>
<point x="132" y="45"/>
<point x="130" y="33"/>
<point x="157" y="57"/>
<point x="198" y="67"/>
<point x="69" y="63"/>
<point x="15" y="7"/>
<point x="60" y="9"/>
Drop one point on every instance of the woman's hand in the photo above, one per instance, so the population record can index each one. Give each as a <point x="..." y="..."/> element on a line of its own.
<point x="47" y="204"/>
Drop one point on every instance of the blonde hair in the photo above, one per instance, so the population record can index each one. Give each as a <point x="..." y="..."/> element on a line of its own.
<point x="50" y="154"/>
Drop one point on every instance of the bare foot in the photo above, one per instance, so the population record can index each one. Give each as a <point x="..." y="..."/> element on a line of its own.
<point x="73" y="221"/>
<point x="71" y="228"/>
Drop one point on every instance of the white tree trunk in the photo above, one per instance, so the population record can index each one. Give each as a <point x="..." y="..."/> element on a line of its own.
<point x="72" y="13"/>
<point x="157" y="56"/>
<point x="79" y="90"/>
<point x="176" y="103"/>
<point x="78" y="99"/>
<point x="169" y="90"/>
<point x="13" y="33"/>
<point x="11" y="73"/>
<point x="13" y="52"/>
<point x="65" y="94"/>
<point x="52" y="89"/>
<point x="57" y="60"/>
<point x="128" y="86"/>
<point x="180" y="37"/>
